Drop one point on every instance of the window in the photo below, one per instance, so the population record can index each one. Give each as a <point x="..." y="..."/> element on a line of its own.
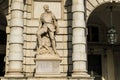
<point x="93" y="34"/>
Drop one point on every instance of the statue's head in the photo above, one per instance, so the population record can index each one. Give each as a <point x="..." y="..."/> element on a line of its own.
<point x="46" y="7"/>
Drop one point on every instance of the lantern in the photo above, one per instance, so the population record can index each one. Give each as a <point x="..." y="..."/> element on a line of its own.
<point x="111" y="33"/>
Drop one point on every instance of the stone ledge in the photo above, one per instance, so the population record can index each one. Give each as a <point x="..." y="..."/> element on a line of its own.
<point x="14" y="76"/>
<point x="52" y="78"/>
<point x="48" y="78"/>
<point x="48" y="75"/>
<point x="11" y="78"/>
<point x="47" y="57"/>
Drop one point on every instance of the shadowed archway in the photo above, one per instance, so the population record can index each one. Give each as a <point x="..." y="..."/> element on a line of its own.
<point x="98" y="23"/>
<point x="3" y="36"/>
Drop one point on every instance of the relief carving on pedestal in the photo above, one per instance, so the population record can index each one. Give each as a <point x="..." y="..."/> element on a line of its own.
<point x="46" y="32"/>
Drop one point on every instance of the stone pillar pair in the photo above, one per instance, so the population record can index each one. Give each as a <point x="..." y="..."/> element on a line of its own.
<point x="79" y="56"/>
<point x="15" y="56"/>
<point x="16" y="40"/>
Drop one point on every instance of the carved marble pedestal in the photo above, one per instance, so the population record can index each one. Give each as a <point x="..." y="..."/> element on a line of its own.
<point x="47" y="65"/>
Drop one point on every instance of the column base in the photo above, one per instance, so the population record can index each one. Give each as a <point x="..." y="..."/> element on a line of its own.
<point x="84" y="75"/>
<point x="81" y="77"/>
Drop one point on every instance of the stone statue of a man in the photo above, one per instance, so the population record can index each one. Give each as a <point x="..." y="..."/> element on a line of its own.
<point x="48" y="26"/>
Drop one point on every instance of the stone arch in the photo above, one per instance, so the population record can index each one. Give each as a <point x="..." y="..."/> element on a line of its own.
<point x="91" y="5"/>
<point x="104" y="25"/>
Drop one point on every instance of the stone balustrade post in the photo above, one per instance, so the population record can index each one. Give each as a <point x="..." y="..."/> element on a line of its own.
<point x="15" y="56"/>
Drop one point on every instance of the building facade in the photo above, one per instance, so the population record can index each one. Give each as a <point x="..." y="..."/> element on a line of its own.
<point x="81" y="43"/>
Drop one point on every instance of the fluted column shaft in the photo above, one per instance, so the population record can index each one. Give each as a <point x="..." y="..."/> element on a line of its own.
<point x="15" y="55"/>
<point x="79" y="56"/>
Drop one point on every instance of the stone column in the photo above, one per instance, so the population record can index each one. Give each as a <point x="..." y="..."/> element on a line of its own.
<point x="15" y="55"/>
<point x="79" y="56"/>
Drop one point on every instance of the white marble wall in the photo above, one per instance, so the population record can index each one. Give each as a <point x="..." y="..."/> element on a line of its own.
<point x="64" y="37"/>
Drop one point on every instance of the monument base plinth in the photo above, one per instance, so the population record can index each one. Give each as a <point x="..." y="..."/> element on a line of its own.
<point x="47" y="65"/>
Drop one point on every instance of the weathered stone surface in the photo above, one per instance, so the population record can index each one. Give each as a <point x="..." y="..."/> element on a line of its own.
<point x="54" y="6"/>
<point x="47" y="65"/>
<point x="15" y="55"/>
<point x="64" y="46"/>
<point x="62" y="23"/>
<point x="29" y="53"/>
<point x="29" y="60"/>
<point x="79" y="40"/>
<point x="32" y="23"/>
<point x="30" y="38"/>
<point x="29" y="68"/>
<point x="30" y="45"/>
<point x="13" y="11"/>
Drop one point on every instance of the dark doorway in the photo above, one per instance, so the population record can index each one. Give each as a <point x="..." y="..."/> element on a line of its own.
<point x="94" y="66"/>
<point x="2" y="65"/>
<point x="3" y="37"/>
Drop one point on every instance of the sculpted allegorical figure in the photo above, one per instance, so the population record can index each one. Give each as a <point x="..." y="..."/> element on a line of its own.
<point x="47" y="30"/>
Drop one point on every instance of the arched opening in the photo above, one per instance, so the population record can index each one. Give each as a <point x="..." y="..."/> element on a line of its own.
<point x="102" y="56"/>
<point x="3" y="38"/>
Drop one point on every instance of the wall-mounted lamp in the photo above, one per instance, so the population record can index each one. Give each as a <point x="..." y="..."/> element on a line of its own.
<point x="111" y="33"/>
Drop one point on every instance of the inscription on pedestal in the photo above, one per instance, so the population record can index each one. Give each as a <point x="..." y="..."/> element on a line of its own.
<point x="47" y="67"/>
